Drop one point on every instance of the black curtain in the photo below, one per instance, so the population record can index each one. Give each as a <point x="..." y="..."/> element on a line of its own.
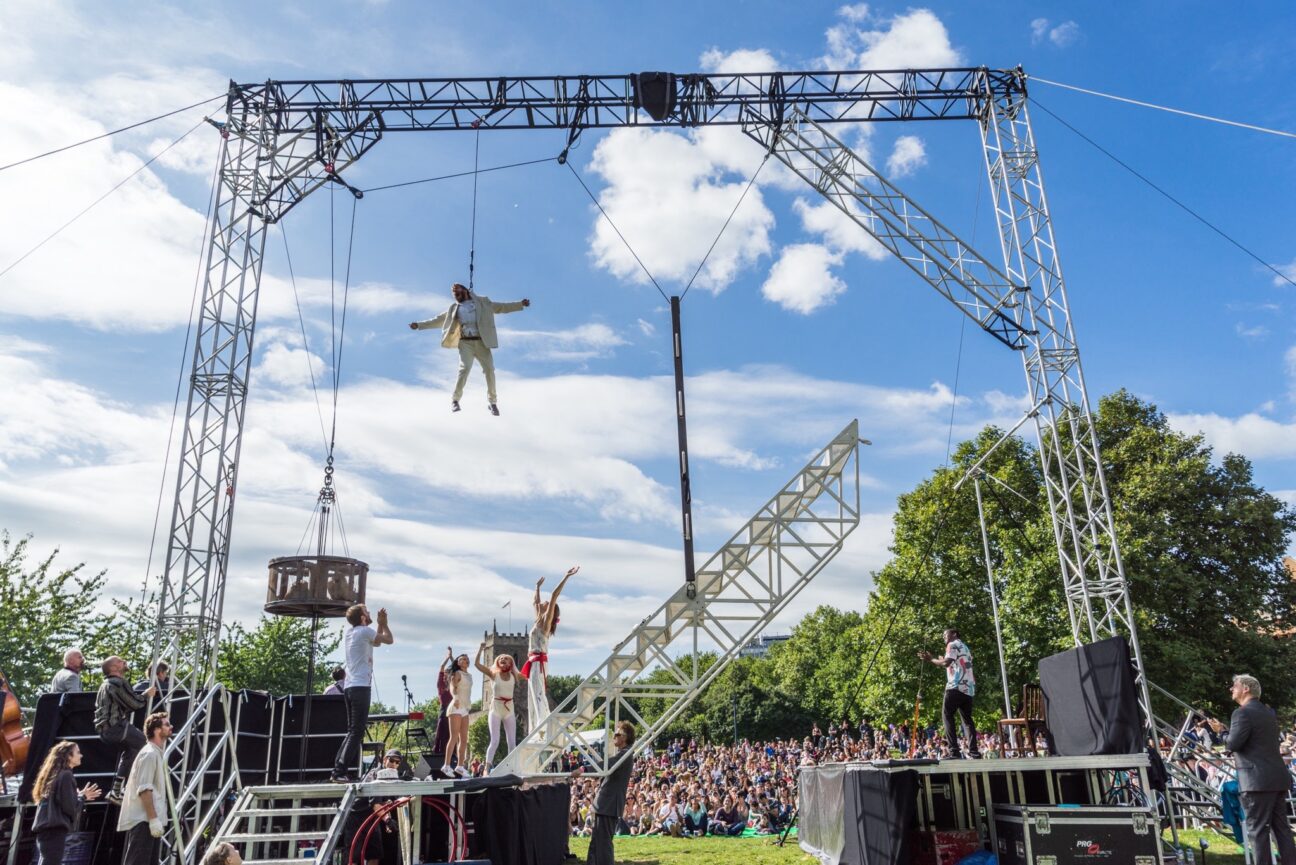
<point x="1090" y="700"/>
<point x="878" y="815"/>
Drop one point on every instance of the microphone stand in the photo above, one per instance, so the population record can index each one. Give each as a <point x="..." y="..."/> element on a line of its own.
<point x="409" y="703"/>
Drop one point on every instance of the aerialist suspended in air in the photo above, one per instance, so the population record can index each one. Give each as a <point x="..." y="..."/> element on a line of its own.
<point x="469" y="325"/>
<point x="536" y="668"/>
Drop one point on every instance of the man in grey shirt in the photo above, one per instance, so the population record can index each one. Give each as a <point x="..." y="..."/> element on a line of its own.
<point x="68" y="679"/>
<point x="609" y="803"/>
<point x="1263" y="779"/>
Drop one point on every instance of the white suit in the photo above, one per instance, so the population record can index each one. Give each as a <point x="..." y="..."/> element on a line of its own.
<point x="472" y="349"/>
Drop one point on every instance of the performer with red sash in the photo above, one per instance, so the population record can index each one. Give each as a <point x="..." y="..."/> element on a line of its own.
<point x="535" y="669"/>
<point x="500" y="711"/>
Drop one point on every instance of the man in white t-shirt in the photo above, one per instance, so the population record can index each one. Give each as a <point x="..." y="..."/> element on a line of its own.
<point x="144" y="799"/>
<point x="960" y="688"/>
<point x="358" y="644"/>
<point x="469" y="325"/>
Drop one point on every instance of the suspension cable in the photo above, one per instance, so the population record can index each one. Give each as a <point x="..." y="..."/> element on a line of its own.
<point x="703" y="262"/>
<point x="460" y="174"/>
<point x="472" y="241"/>
<point x="1180" y="111"/>
<point x="92" y="204"/>
<point x="109" y="134"/>
<point x="1194" y="214"/>
<point x="599" y="205"/>
<point x="180" y="376"/>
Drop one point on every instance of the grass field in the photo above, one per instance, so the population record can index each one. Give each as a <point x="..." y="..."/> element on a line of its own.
<point x="763" y="851"/>
<point x="657" y="850"/>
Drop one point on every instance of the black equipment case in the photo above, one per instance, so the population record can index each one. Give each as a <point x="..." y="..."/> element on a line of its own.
<point x="1089" y="835"/>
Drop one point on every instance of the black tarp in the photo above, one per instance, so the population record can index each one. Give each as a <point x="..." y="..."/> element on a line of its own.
<point x="521" y="827"/>
<point x="878" y="814"/>
<point x="1090" y="700"/>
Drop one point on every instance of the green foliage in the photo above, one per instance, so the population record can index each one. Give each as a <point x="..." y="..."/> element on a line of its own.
<point x="275" y="656"/>
<point x="46" y="610"/>
<point x="479" y="738"/>
<point x="560" y="686"/>
<point x="713" y="850"/>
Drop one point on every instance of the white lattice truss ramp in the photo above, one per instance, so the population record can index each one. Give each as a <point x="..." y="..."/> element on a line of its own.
<point x="740" y="590"/>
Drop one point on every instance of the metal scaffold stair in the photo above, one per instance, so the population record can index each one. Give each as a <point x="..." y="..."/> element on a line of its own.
<point x="1190" y="797"/>
<point x="272" y="824"/>
<point x="738" y="592"/>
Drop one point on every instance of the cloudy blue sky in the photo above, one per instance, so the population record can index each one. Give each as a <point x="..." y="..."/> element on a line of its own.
<point x="794" y="327"/>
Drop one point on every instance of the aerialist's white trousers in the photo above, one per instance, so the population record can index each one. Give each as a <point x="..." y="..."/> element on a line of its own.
<point x="493" y="722"/>
<point x="470" y="350"/>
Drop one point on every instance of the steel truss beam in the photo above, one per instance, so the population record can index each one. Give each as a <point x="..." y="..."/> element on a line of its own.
<point x="740" y="590"/>
<point x="1093" y="575"/>
<point x="896" y="221"/>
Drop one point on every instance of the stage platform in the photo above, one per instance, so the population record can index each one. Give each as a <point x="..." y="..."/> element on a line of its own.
<point x="844" y="806"/>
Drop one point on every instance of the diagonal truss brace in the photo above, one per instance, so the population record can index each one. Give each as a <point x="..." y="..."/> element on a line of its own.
<point x="926" y="245"/>
<point x="740" y="590"/>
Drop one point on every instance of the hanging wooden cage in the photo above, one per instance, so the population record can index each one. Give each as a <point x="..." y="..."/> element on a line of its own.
<point x="308" y="586"/>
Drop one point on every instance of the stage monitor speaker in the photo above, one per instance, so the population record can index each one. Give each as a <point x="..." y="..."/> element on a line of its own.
<point x="1090" y="701"/>
<point x="429" y="764"/>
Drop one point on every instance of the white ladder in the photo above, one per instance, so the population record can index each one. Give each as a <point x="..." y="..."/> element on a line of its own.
<point x="270" y="823"/>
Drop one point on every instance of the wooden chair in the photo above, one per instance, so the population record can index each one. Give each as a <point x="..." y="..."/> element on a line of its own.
<point x="1029" y="724"/>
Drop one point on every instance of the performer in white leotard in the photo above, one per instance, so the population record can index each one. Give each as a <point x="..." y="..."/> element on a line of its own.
<point x="536" y="667"/>
<point x="460" y="705"/>
<point x="501" y="709"/>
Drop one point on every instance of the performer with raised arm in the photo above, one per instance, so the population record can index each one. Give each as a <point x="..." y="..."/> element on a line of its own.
<point x="960" y="688"/>
<point x="469" y="325"/>
<point x="460" y="707"/>
<point x="535" y="669"/>
<point x="501" y="708"/>
<point x="358" y="644"/>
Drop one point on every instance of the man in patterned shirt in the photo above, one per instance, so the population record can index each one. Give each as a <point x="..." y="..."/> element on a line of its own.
<point x="960" y="688"/>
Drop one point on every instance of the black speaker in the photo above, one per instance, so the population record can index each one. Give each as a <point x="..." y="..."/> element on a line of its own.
<point x="654" y="92"/>
<point x="429" y="764"/>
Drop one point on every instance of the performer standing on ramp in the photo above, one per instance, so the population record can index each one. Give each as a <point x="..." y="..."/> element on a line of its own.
<point x="501" y="709"/>
<point x="609" y="802"/>
<point x="960" y="688"/>
<point x="536" y="668"/>
<point x="469" y="325"/>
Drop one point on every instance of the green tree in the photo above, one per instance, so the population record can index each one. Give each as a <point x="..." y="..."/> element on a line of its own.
<point x="274" y="656"/>
<point x="815" y="667"/>
<point x="46" y="610"/>
<point x="1202" y="547"/>
<point x="561" y="686"/>
<point x="479" y="738"/>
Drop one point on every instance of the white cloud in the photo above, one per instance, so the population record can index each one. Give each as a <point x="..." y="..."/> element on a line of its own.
<point x="802" y="279"/>
<point x="907" y="156"/>
<point x="1288" y="271"/>
<point x="667" y="194"/>
<point x="1064" y="34"/>
<point x="581" y="343"/>
<point x="1257" y="332"/>
<point x="1061" y="36"/>
<point x="914" y="40"/>
<point x="646" y="327"/>
<point x="737" y="62"/>
<point x="838" y="230"/>
<point x="1252" y="435"/>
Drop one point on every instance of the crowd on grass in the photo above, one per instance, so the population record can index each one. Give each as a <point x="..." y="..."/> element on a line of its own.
<point x="689" y="789"/>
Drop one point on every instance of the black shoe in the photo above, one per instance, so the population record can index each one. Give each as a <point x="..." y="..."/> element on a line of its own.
<point x="494" y="409"/>
<point x="339" y="779"/>
<point x="454" y="405"/>
<point x="114" y="796"/>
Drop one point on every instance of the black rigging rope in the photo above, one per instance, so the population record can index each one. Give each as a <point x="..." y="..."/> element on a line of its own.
<point x="1194" y="214"/>
<point x="25" y="160"/>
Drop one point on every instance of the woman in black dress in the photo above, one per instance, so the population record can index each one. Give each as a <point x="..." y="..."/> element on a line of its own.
<point x="58" y="801"/>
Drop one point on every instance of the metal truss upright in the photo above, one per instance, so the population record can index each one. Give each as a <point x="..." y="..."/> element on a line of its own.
<point x="1093" y="575"/>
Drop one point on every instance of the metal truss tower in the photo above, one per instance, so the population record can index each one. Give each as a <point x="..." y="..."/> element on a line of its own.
<point x="740" y="590"/>
<point x="283" y="140"/>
